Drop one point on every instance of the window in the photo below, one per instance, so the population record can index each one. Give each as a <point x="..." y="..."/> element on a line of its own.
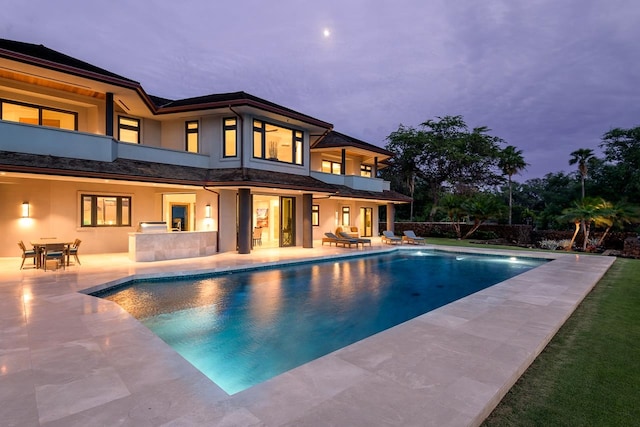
<point x="230" y="137"/>
<point x="191" y="137"/>
<point x="277" y="143"/>
<point x="365" y="170"/>
<point x="315" y="214"/>
<point x="37" y="115"/>
<point x="346" y="215"/>
<point x="105" y="211"/>
<point x="128" y="130"/>
<point x="329" y="166"/>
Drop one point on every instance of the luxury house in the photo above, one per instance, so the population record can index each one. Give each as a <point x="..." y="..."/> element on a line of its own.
<point x="86" y="153"/>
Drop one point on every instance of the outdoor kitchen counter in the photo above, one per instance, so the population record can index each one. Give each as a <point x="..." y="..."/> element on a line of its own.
<point x="159" y="246"/>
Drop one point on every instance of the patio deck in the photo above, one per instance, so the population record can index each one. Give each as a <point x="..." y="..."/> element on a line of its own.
<point x="68" y="359"/>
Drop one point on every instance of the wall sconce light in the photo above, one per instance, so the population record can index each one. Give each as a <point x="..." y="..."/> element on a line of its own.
<point x="207" y="211"/>
<point x="25" y="210"/>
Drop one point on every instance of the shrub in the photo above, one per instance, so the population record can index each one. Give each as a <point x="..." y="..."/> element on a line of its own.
<point x="549" y="244"/>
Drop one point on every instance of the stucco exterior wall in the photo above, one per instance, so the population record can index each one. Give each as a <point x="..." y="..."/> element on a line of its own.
<point x="55" y="212"/>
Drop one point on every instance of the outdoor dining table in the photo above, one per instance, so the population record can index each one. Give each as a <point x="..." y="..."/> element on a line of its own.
<point x="40" y="245"/>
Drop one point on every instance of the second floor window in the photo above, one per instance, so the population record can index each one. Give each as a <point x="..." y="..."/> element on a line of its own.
<point x="192" y="136"/>
<point x="277" y="143"/>
<point x="38" y="115"/>
<point x="331" y="167"/>
<point x="230" y="137"/>
<point x="365" y="170"/>
<point x="128" y="130"/>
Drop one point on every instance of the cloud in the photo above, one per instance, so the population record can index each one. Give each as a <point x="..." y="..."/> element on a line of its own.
<point x="546" y="76"/>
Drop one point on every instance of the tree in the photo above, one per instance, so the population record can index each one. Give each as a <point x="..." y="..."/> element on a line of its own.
<point x="511" y="162"/>
<point x="481" y="207"/>
<point x="452" y="205"/>
<point x="443" y="154"/>
<point x="583" y="214"/>
<point x="618" y="214"/>
<point x="621" y="148"/>
<point x="406" y="144"/>
<point x="582" y="157"/>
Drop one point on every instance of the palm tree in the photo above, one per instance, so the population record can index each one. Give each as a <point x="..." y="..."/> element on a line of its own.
<point x="511" y="162"/>
<point x="582" y="157"/>
<point x="481" y="207"/>
<point x="452" y="205"/>
<point x="618" y="214"/>
<point x="583" y="214"/>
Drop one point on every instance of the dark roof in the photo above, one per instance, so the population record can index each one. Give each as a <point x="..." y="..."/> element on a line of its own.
<point x="42" y="56"/>
<point x="336" y="139"/>
<point x="235" y="98"/>
<point x="136" y="170"/>
<point x="41" y="52"/>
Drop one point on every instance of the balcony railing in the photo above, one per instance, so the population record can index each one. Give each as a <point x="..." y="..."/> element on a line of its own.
<point x="353" y="181"/>
<point x="47" y="141"/>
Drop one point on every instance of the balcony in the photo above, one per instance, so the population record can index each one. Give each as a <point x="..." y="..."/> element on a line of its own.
<point x="353" y="181"/>
<point x="45" y="141"/>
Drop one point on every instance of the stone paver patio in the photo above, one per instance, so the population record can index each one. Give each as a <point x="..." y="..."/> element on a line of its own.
<point x="69" y="359"/>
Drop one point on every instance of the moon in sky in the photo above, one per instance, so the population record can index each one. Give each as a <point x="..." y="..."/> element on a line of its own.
<point x="326" y="32"/>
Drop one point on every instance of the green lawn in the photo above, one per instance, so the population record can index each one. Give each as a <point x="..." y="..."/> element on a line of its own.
<point x="589" y="374"/>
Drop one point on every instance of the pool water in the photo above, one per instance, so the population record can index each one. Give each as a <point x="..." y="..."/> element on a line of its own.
<point x="243" y="328"/>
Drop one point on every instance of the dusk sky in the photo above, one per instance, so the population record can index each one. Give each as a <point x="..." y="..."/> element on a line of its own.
<point x="548" y="76"/>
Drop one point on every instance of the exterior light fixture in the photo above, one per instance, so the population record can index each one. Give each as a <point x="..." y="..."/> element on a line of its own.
<point x="25" y="210"/>
<point x="207" y="211"/>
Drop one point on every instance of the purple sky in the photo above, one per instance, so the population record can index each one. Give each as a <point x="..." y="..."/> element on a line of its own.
<point x="548" y="76"/>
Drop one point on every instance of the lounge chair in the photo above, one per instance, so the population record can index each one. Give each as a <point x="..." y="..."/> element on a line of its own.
<point x="332" y="238"/>
<point x="390" y="238"/>
<point x="350" y="231"/>
<point x="410" y="237"/>
<point x="359" y="240"/>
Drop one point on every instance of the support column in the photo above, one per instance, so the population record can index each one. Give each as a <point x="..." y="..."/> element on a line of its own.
<point x="307" y="226"/>
<point x="244" y="221"/>
<point x="391" y="213"/>
<point x="343" y="162"/>
<point x="108" y="126"/>
<point x="374" y="172"/>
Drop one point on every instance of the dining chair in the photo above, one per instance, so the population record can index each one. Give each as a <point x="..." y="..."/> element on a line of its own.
<point x="27" y="253"/>
<point x="72" y="250"/>
<point x="55" y="251"/>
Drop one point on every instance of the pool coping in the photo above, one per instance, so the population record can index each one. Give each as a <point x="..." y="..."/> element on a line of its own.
<point x="77" y="358"/>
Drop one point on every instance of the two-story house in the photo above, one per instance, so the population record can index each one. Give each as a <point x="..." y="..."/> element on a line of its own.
<point x="87" y="153"/>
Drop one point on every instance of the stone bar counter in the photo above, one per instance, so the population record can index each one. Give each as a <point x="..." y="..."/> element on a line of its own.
<point x="154" y="242"/>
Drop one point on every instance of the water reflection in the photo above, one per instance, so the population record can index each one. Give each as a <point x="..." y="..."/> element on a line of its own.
<point x="243" y="328"/>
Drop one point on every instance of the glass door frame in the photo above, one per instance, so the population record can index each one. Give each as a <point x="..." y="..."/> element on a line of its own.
<point x="287" y="221"/>
<point x="366" y="215"/>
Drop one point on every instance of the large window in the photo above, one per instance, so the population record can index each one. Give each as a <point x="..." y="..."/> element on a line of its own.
<point x="329" y="166"/>
<point x="105" y="211"/>
<point x="38" y="115"/>
<point x="230" y="137"/>
<point x="192" y="136"/>
<point x="128" y="130"/>
<point x="366" y="170"/>
<point x="315" y="215"/>
<point x="277" y="143"/>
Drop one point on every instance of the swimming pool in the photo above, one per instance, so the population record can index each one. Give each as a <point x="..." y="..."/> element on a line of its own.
<point x="243" y="328"/>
